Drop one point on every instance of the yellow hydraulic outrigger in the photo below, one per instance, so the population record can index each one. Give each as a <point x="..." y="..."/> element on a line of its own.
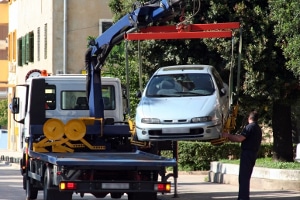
<point x="229" y="125"/>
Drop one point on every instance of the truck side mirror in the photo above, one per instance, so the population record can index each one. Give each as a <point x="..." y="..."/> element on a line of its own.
<point x="15" y="105"/>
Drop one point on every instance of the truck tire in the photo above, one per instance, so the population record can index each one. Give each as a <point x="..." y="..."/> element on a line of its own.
<point x="31" y="193"/>
<point x="143" y="196"/>
<point x="52" y="192"/>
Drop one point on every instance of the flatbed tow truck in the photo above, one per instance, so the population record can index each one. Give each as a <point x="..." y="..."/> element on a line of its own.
<point x="90" y="149"/>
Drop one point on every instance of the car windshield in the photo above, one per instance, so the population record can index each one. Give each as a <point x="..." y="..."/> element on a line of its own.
<point x="174" y="85"/>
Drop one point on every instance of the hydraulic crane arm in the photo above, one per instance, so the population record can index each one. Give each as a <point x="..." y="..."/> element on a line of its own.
<point x="143" y="15"/>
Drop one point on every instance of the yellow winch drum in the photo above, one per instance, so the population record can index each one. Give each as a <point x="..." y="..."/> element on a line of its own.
<point x="75" y="129"/>
<point x="54" y="129"/>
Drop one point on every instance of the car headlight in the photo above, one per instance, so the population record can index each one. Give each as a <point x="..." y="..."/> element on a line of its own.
<point x="150" y="121"/>
<point x="201" y="119"/>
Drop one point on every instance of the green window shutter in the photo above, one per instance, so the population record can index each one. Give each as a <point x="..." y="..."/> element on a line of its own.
<point x="23" y="50"/>
<point x="31" y="47"/>
<point x="19" y="52"/>
<point x="27" y="48"/>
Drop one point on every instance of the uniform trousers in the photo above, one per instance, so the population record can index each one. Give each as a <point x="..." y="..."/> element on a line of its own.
<point x="247" y="162"/>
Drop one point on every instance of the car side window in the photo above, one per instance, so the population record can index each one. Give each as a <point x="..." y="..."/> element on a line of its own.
<point x="218" y="80"/>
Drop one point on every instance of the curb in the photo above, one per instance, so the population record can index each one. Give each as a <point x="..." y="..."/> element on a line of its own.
<point x="9" y="159"/>
<point x="262" y="178"/>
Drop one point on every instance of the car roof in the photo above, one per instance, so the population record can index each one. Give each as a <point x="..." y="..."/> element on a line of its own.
<point x="184" y="69"/>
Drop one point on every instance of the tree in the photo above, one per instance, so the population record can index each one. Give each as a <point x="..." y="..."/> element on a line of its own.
<point x="3" y="113"/>
<point x="286" y="28"/>
<point x="266" y="84"/>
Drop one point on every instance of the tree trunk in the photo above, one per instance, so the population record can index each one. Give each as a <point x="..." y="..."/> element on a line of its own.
<point x="282" y="132"/>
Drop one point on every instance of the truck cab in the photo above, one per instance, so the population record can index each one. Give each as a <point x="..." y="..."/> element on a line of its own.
<point x="63" y="97"/>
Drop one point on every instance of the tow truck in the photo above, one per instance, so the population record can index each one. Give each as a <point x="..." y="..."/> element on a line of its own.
<point x="84" y="148"/>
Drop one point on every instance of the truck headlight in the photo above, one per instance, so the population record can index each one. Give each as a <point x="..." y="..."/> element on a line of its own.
<point x="150" y="121"/>
<point x="201" y="119"/>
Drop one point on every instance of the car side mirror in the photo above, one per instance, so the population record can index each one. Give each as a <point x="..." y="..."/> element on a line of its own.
<point x="138" y="94"/>
<point x="222" y="91"/>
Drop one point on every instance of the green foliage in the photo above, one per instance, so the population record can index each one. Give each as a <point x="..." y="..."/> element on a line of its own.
<point x="115" y="66"/>
<point x="270" y="56"/>
<point x="268" y="163"/>
<point x="193" y="156"/>
<point x="286" y="16"/>
<point x="263" y="77"/>
<point x="3" y="113"/>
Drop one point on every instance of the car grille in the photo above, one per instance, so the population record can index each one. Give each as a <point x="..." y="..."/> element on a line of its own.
<point x="195" y="131"/>
<point x="168" y="121"/>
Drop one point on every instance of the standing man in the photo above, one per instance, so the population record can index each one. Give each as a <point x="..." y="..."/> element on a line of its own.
<point x="250" y="138"/>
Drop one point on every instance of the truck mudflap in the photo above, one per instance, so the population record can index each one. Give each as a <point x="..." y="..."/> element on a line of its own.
<point x="115" y="186"/>
<point x="105" y="159"/>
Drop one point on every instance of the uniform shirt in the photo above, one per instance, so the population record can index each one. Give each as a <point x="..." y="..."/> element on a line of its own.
<point x="253" y="135"/>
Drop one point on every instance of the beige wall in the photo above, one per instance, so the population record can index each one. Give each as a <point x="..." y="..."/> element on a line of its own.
<point x="3" y="42"/>
<point x="3" y="71"/>
<point x="25" y="17"/>
<point x="82" y="21"/>
<point x="3" y="12"/>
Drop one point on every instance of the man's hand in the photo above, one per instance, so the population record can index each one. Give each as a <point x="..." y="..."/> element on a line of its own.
<point x="225" y="135"/>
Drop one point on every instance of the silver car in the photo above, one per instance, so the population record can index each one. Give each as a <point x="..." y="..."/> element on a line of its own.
<point x="182" y="102"/>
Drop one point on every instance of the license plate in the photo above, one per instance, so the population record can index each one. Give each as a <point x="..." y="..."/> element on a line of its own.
<point x="115" y="185"/>
<point x="175" y="130"/>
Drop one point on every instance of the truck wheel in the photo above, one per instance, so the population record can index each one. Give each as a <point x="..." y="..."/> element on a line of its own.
<point x="116" y="195"/>
<point x="51" y="192"/>
<point x="144" y="196"/>
<point x="31" y="193"/>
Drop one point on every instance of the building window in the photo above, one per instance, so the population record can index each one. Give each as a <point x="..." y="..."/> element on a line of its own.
<point x="38" y="43"/>
<point x="14" y="45"/>
<point x="104" y="24"/>
<point x="3" y="42"/>
<point x="20" y="52"/>
<point x="45" y="41"/>
<point x="30" y="47"/>
<point x="10" y="44"/>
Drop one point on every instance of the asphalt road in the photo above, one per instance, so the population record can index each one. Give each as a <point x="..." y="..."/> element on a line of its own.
<point x="190" y="187"/>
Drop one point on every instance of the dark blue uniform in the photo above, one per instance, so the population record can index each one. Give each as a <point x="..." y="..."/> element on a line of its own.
<point x="250" y="147"/>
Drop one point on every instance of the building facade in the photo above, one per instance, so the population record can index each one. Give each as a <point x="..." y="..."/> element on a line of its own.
<point x="3" y="48"/>
<point x="49" y="35"/>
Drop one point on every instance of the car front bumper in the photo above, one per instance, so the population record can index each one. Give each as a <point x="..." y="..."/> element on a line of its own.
<point x="196" y="131"/>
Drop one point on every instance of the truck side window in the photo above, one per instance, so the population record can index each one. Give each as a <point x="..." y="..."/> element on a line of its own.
<point x="74" y="100"/>
<point x="50" y="97"/>
<point x="108" y="93"/>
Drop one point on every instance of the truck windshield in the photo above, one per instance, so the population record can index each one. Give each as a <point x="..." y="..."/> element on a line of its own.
<point x="76" y="100"/>
<point x="180" y="85"/>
